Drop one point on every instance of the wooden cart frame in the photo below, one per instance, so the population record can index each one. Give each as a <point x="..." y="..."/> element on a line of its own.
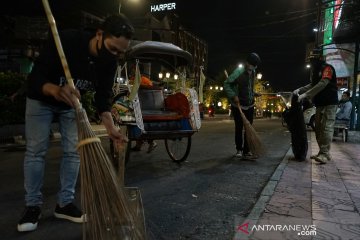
<point x="149" y="119"/>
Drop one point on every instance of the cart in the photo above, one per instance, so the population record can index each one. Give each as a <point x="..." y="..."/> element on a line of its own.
<point x="168" y="111"/>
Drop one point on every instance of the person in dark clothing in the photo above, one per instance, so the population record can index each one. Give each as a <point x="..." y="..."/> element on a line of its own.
<point x="323" y="91"/>
<point x="239" y="88"/>
<point x="92" y="59"/>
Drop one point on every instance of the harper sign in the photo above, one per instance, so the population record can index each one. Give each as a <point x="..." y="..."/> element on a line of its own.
<point x="163" y="7"/>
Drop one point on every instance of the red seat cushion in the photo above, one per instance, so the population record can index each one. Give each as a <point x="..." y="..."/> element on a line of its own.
<point x="179" y="103"/>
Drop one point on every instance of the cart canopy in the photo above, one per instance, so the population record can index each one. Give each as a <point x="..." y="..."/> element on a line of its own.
<point x="159" y="51"/>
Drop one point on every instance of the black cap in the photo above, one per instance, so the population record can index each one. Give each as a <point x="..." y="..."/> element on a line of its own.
<point x="118" y="25"/>
<point x="253" y="59"/>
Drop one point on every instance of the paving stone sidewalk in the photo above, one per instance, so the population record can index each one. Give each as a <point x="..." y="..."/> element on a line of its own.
<point x="310" y="200"/>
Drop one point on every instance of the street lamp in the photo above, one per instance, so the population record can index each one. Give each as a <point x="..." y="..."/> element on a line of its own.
<point x="176" y="76"/>
<point x="161" y="75"/>
<point x="241" y="65"/>
<point x="259" y="76"/>
<point x="167" y="75"/>
<point x="308" y="66"/>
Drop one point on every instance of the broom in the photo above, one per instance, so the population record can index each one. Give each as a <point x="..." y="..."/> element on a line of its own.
<point x="252" y="138"/>
<point x="108" y="215"/>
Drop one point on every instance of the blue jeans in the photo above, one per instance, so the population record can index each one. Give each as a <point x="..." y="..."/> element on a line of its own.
<point x="38" y="118"/>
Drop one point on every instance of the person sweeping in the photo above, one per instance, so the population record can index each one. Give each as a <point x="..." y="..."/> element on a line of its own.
<point x="92" y="59"/>
<point x="239" y="88"/>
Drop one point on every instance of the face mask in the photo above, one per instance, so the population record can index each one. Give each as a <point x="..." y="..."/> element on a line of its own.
<point x="104" y="54"/>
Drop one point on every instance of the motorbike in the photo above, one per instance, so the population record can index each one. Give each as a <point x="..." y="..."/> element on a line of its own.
<point x="211" y="112"/>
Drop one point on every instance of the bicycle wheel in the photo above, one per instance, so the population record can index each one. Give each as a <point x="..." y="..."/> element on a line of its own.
<point x="178" y="148"/>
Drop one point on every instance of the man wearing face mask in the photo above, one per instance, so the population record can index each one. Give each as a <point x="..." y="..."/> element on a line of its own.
<point x="92" y="59"/>
<point x="323" y="92"/>
<point x="239" y="88"/>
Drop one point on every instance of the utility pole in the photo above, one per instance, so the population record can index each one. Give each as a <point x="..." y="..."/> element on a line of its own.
<point x="318" y="23"/>
<point x="354" y="87"/>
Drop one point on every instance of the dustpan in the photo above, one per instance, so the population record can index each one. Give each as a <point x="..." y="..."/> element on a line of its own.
<point x="133" y="193"/>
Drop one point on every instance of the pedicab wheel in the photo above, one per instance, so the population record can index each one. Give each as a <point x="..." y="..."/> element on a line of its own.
<point x="178" y="148"/>
<point x="115" y="154"/>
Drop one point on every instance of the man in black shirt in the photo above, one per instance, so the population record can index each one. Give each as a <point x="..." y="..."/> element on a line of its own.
<point x="92" y="59"/>
<point x="323" y="91"/>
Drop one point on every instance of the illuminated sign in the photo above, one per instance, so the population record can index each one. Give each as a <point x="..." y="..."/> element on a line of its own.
<point x="337" y="12"/>
<point x="342" y="82"/>
<point x="163" y="7"/>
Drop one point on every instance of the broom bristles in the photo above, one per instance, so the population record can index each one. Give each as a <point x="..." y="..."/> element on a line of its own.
<point x="106" y="204"/>
<point x="255" y="145"/>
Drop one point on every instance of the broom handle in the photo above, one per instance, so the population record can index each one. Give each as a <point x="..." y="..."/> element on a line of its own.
<point x="59" y="48"/>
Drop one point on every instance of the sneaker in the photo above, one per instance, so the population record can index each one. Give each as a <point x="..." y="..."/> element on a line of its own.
<point x="328" y="157"/>
<point x="238" y="154"/>
<point x="69" y="212"/>
<point x="322" y="159"/>
<point x="29" y="220"/>
<point x="152" y="146"/>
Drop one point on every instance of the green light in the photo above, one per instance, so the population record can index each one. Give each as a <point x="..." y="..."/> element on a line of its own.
<point x="328" y="24"/>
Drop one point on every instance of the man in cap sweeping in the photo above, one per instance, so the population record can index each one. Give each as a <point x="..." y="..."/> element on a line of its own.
<point x="92" y="59"/>
<point x="239" y="88"/>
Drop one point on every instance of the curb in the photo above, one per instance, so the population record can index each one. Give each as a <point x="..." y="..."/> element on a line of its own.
<point x="265" y="197"/>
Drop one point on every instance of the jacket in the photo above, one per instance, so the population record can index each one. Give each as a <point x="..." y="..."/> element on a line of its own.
<point x="240" y="83"/>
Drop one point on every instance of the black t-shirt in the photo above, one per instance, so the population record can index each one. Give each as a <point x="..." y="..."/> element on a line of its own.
<point x="86" y="71"/>
<point x="246" y="88"/>
<point x="327" y="96"/>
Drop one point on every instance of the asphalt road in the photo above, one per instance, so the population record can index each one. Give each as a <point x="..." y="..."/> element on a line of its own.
<point x="199" y="199"/>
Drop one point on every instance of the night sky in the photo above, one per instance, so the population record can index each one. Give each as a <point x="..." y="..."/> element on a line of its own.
<point x="277" y="30"/>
